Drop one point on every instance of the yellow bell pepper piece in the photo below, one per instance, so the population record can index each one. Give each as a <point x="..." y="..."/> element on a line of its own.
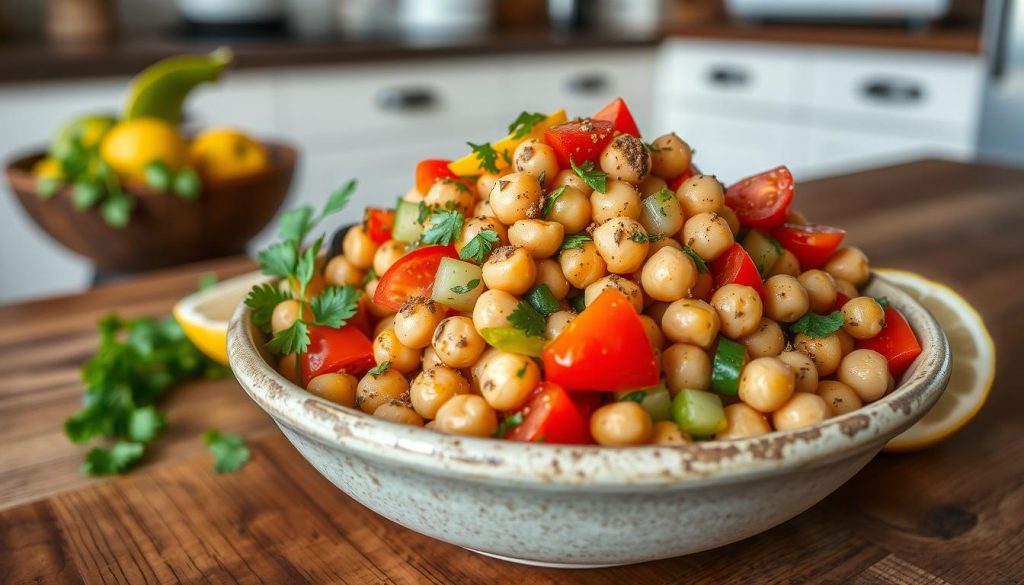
<point x="470" y="165"/>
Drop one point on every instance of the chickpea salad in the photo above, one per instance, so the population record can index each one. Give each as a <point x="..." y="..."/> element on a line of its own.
<point x="574" y="283"/>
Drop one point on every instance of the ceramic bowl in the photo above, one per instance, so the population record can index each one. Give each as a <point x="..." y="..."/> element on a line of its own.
<point x="588" y="506"/>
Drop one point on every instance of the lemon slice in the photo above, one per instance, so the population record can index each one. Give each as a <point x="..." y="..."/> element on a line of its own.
<point x="974" y="360"/>
<point x="204" y="315"/>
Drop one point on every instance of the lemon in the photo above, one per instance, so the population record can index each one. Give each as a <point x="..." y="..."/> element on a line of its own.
<point x="974" y="361"/>
<point x="204" y="315"/>
<point x="132" y="144"/>
<point x="226" y="153"/>
<point x="159" y="91"/>
<point x="47" y="168"/>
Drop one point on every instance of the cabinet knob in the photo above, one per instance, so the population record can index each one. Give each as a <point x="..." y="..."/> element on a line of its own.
<point x="728" y="76"/>
<point x="892" y="91"/>
<point x="588" y="83"/>
<point x="406" y="99"/>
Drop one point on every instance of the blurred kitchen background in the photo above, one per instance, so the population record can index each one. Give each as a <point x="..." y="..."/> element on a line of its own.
<point x="366" y="88"/>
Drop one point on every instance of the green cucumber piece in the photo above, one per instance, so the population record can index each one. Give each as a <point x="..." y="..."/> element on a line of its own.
<point x="541" y="298"/>
<point x="407" y="226"/>
<point x="762" y="249"/>
<point x="698" y="412"/>
<point x="726" y="367"/>
<point x="457" y="284"/>
<point x="513" y="340"/>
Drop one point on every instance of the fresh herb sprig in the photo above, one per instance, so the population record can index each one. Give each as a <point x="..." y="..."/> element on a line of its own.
<point x="598" y="180"/>
<point x="479" y="247"/>
<point x="524" y="124"/>
<point x="815" y="325"/>
<point x="486" y="155"/>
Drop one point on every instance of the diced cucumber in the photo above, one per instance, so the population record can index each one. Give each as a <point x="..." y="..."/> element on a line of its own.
<point x="763" y="250"/>
<point x="656" y="401"/>
<point x="514" y="340"/>
<point x="457" y="284"/>
<point x="698" y="412"/>
<point x="543" y="300"/>
<point x="407" y="226"/>
<point x="726" y="367"/>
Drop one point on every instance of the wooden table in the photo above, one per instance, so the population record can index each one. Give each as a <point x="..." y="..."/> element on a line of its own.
<point x="953" y="513"/>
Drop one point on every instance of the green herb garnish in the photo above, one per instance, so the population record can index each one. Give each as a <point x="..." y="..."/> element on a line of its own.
<point x="465" y="288"/>
<point x="701" y="265"/>
<point x="815" y="325"/>
<point x="511" y="421"/>
<point x="575" y="242"/>
<point x="549" y="201"/>
<point x="524" y="124"/>
<point x="485" y="154"/>
<point x="527" y="319"/>
<point x="480" y="246"/>
<point x="380" y="368"/>
<point x="229" y="451"/>
<point x="637" y="396"/>
<point x="445" y="227"/>
<point x="597" y="180"/>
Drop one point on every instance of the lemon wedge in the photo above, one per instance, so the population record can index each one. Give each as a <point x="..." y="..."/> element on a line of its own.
<point x="204" y="315"/>
<point x="974" y="361"/>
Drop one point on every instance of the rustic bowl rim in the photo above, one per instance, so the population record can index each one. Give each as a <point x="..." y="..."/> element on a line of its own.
<point x="543" y="466"/>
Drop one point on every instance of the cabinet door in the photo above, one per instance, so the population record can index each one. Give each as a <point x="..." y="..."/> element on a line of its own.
<point x="243" y="100"/>
<point x="836" y="152"/>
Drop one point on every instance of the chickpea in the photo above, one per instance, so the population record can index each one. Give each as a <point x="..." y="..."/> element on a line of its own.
<point x="416" y="320"/>
<point x="825" y="352"/>
<point x="339" y="272"/>
<point x="387" y="348"/>
<point x="376" y="389"/>
<point x="549" y="273"/>
<point x="285" y="314"/>
<point x="339" y="388"/>
<point x="582" y="266"/>
<point x="431" y="359"/>
<point x="377" y="311"/>
<point x="626" y="158"/>
<point x="557" y="322"/>
<point x="656" y="310"/>
<point x="651" y="185"/>
<point x="288" y="367"/>
<point x="686" y="366"/>
<point x="839" y="397"/>
<point x="413" y="195"/>
<point x="493" y="308"/>
<point x="741" y="422"/>
<point x="795" y="216"/>
<point x="804" y="370"/>
<point x="766" y="383"/>
<point x="850" y="264"/>
<point x="708" y="234"/>
<point x="785" y="299"/>
<point x="668" y="432"/>
<point x="572" y="210"/>
<point x="867" y="372"/>
<point x="358" y="247"/>
<point x="669" y="275"/>
<point x="507" y="380"/>
<point x="475" y="225"/>
<point x="657" y="245"/>
<point x="767" y="341"/>
<point x="863" y="317"/>
<point x="387" y="254"/>
<point x="701" y="194"/>
<point x="786" y="264"/>
<point x="482" y="209"/>
<point x="538" y="237"/>
<point x="569" y="178"/>
<point x="702" y="290"/>
<point x="821" y="290"/>
<point x="485" y="182"/>
<point x="447" y="192"/>
<point x="398" y="412"/>
<point x="691" y="321"/>
<point x="671" y="157"/>
<point x="739" y="309"/>
<point x="622" y="242"/>
<point x="620" y="199"/>
<point x="384" y="324"/>
<point x="536" y="158"/>
<point x="434" y="386"/>
<point x="731" y="219"/>
<point x="457" y="342"/>
<point x="516" y="196"/>
<point x="802" y="410"/>
<point x="661" y="215"/>
<point x="511" y="269"/>
<point x="467" y="414"/>
<point x="621" y="424"/>
<point x="844" y="287"/>
<point x="628" y="288"/>
<point x="654" y="334"/>
<point x="846" y="343"/>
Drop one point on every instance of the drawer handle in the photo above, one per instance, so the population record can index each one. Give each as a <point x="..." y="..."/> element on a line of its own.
<point x="897" y="92"/>
<point x="728" y="76"/>
<point x="406" y="99"/>
<point x="588" y="83"/>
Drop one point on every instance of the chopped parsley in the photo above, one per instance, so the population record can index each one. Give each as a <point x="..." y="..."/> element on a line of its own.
<point x="511" y="421"/>
<point x="701" y="265"/>
<point x="485" y="154"/>
<point x="465" y="288"/>
<point x="575" y="242"/>
<point x="371" y="275"/>
<point x="524" y="124"/>
<point x="637" y="396"/>
<point x="445" y="227"/>
<point x="480" y="246"/>
<point x="651" y="148"/>
<point x="642" y="238"/>
<point x="527" y="319"/>
<point x="262" y="299"/>
<point x="521" y="371"/>
<point x="335" y="305"/>
<point x="549" y="201"/>
<point x="380" y="368"/>
<point x="883" y="301"/>
<point x="597" y="180"/>
<point x="815" y="325"/>
<point x="229" y="451"/>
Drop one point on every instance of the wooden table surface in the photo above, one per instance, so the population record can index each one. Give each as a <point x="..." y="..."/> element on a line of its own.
<point x="950" y="514"/>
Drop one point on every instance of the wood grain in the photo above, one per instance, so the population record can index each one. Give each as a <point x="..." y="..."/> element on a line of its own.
<point x="951" y="514"/>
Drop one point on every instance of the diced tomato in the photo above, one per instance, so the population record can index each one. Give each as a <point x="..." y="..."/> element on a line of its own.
<point x="551" y="416"/>
<point x="412" y="276"/>
<point x="587" y="402"/>
<point x="619" y="115"/>
<point x="841" y="300"/>
<point x="896" y="342"/>
<point x="581" y="140"/>
<point x="429" y="171"/>
<point x="604" y="348"/>
<point x="378" y="224"/>
<point x="676" y="183"/>
<point x="762" y="201"/>
<point x="812" y="244"/>
<point x="336" y="349"/>
<point x="361" y="319"/>
<point x="734" y="266"/>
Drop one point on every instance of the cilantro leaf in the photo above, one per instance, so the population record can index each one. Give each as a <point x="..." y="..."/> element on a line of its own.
<point x="295" y="224"/>
<point x="371" y="275"/>
<point x="262" y="299"/>
<point x="335" y="306"/>
<point x="339" y="199"/>
<point x="597" y="180"/>
<point x="424" y="212"/>
<point x="465" y="288"/>
<point x="527" y="319"/>
<point x="642" y="238"/>
<point x="306" y="265"/>
<point x="511" y="421"/>
<point x="229" y="451"/>
<point x="445" y="227"/>
<point x="144" y="424"/>
<point x="549" y="201"/>
<point x="480" y="246"/>
<point x="651" y="148"/>
<point x="701" y="265"/>
<point x="883" y="301"/>
<point x="524" y="124"/>
<point x="486" y="155"/>
<point x="380" y="368"/>
<point x="100" y="461"/>
<point x="575" y="242"/>
<point x="637" y="396"/>
<point x="815" y="325"/>
<point x="294" y="339"/>
<point x="505" y="156"/>
<point x="522" y="371"/>
<point x="278" y="259"/>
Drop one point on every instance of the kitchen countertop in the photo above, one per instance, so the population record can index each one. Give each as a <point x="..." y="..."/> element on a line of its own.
<point x="950" y="514"/>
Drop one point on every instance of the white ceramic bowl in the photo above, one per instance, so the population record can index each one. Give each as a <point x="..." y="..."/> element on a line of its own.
<point x="588" y="506"/>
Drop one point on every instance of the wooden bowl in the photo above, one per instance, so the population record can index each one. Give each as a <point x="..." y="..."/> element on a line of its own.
<point x="164" y="229"/>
